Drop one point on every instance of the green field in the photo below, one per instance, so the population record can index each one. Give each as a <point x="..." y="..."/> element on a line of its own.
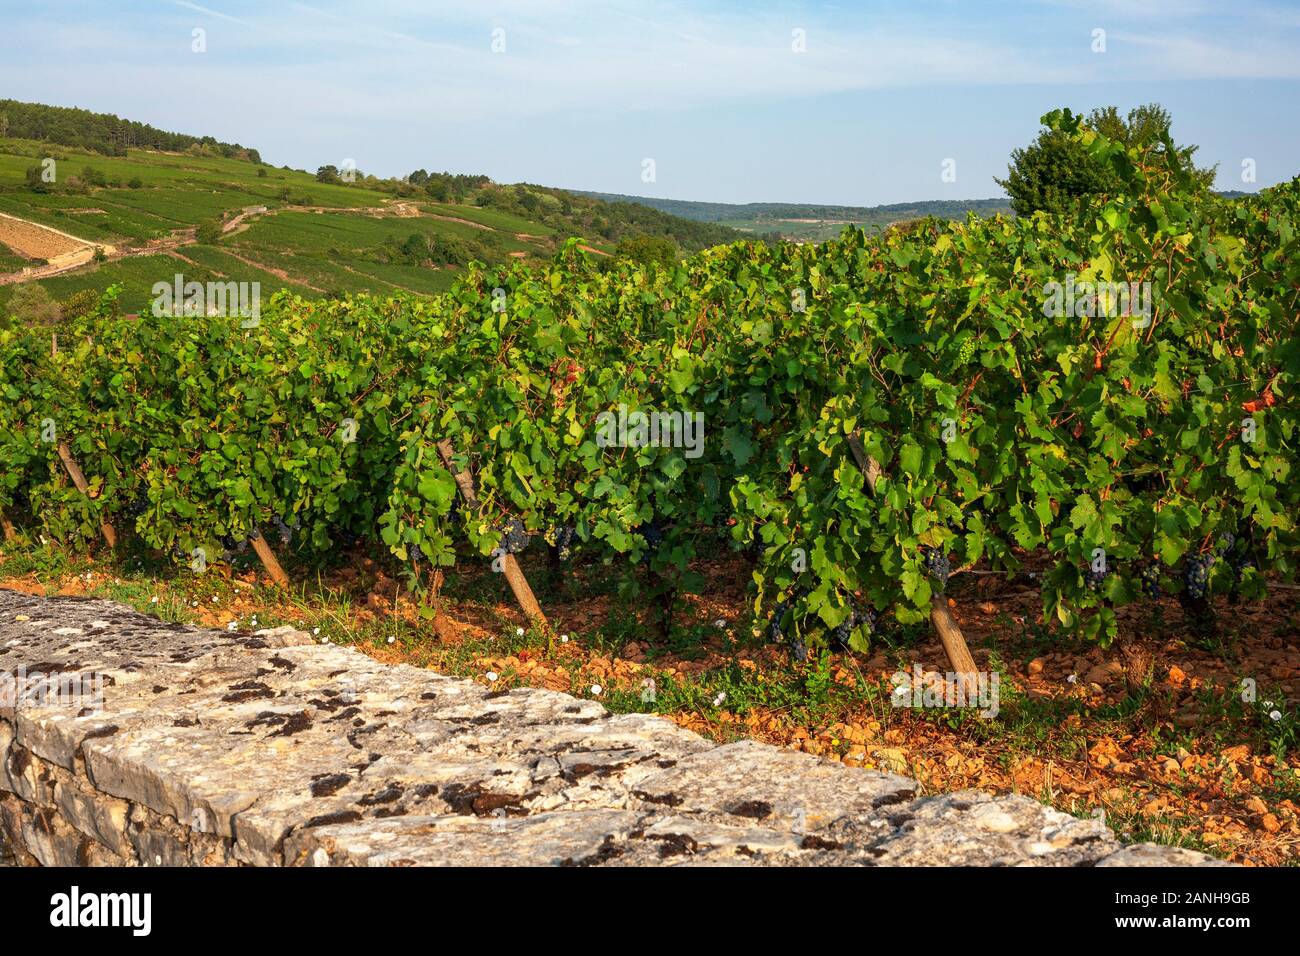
<point x="324" y="238"/>
<point x="491" y="218"/>
<point x="313" y="237"/>
<point x="228" y="267"/>
<point x="11" y="262"/>
<point x="137" y="274"/>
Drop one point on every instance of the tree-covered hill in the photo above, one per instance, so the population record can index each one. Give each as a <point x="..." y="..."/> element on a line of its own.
<point x="806" y="221"/>
<point x="103" y="132"/>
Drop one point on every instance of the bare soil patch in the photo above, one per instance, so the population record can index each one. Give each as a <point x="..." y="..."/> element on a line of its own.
<point x="35" y="241"/>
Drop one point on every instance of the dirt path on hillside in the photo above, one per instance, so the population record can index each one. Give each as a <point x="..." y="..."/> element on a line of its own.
<point x="386" y="282"/>
<point x="186" y="259"/>
<point x="237" y="224"/>
<point x="457" y="219"/>
<point x="278" y="273"/>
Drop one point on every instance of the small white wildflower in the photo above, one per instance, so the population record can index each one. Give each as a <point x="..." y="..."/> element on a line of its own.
<point x="391" y="639"/>
<point x="1275" y="715"/>
<point x="315" y="630"/>
<point x="1073" y="678"/>
<point x="214" y="599"/>
<point x="720" y="623"/>
<point x="595" y="690"/>
<point x="154" y="599"/>
<point x="491" y="676"/>
<point x="1268" y="703"/>
<point x="717" y="701"/>
<point x="519" y="632"/>
<point x="564" y="638"/>
<point x="231" y="626"/>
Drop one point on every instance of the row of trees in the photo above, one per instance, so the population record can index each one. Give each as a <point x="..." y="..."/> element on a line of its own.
<point x="104" y="132"/>
<point x="89" y="177"/>
<point x="568" y="213"/>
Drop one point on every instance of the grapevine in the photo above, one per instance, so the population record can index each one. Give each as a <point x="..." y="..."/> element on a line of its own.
<point x="1001" y="430"/>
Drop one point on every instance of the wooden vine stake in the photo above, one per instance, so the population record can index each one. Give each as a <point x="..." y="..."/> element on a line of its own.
<point x="79" y="479"/>
<point x="954" y="643"/>
<point x="74" y="471"/>
<point x="514" y="574"/>
<point x="269" y="560"/>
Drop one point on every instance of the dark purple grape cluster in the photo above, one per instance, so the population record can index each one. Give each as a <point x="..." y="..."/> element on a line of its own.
<point x="1238" y="558"/>
<point x="937" y="564"/>
<point x="653" y="531"/>
<point x="774" y="630"/>
<point x="1149" y="580"/>
<point x="1095" y="579"/>
<point x="561" y="539"/>
<point x="1196" y="575"/>
<point x="514" y="537"/>
<point x="840" y="636"/>
<point x="234" y="551"/>
<point x="799" y="650"/>
<point x="138" y="507"/>
<point x="285" y="531"/>
<point x="1240" y="562"/>
<point x="858" y="616"/>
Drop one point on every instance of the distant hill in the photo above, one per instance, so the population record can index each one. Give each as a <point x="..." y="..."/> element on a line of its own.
<point x="103" y="132"/>
<point x="573" y="213"/>
<point x="168" y="204"/>
<point x="808" y="221"/>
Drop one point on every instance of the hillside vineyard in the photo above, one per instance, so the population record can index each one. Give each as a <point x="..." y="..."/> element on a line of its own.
<point x="1139" y="450"/>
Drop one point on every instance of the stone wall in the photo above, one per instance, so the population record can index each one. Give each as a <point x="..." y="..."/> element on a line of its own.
<point x="220" y="749"/>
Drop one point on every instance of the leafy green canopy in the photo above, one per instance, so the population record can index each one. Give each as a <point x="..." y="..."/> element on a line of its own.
<point x="1004" y="429"/>
<point x="1057" y="170"/>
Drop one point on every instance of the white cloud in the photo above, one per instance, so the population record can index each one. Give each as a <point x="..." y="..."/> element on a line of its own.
<point x="435" y="58"/>
<point x="1184" y="57"/>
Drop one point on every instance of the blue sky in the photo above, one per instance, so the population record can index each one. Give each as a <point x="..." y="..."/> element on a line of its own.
<point x="714" y="92"/>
